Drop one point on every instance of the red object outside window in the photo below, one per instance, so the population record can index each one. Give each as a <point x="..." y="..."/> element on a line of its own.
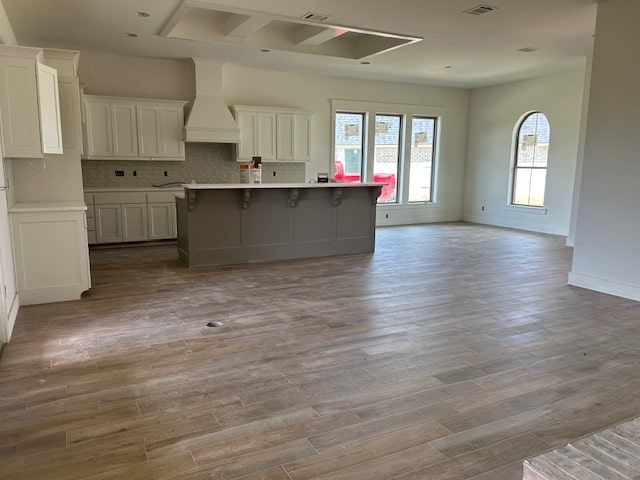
<point x="388" y="178"/>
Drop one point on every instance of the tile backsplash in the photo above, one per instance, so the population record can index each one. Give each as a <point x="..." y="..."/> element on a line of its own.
<point x="204" y="163"/>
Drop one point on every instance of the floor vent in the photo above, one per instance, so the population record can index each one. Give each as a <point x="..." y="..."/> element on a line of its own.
<point x="480" y="10"/>
<point x="315" y="17"/>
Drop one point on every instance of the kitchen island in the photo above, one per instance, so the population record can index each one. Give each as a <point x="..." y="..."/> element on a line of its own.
<point x="222" y="224"/>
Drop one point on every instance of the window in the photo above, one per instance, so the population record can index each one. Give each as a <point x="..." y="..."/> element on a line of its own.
<point x="423" y="130"/>
<point x="530" y="162"/>
<point x="387" y="155"/>
<point x="388" y="143"/>
<point x="349" y="135"/>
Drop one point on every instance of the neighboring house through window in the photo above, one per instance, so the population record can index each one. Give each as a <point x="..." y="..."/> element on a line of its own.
<point x="530" y="161"/>
<point x="391" y="144"/>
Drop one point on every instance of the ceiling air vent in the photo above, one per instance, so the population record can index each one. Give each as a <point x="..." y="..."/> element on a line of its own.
<point x="528" y="49"/>
<point x="480" y="10"/>
<point x="315" y="17"/>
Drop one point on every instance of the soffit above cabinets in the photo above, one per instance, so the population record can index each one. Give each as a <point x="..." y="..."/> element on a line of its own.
<point x="201" y="21"/>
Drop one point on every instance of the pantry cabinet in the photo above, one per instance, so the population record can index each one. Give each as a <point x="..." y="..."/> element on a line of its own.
<point x="134" y="129"/>
<point x="29" y="104"/>
<point x="276" y="135"/>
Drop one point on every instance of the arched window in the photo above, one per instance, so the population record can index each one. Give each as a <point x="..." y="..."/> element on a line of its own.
<point x="530" y="164"/>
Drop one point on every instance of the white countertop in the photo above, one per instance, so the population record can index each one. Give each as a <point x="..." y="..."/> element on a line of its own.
<point x="177" y="188"/>
<point x="48" y="207"/>
<point x="230" y="186"/>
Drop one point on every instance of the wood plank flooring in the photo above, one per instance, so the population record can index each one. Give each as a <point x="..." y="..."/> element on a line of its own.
<point x="453" y="352"/>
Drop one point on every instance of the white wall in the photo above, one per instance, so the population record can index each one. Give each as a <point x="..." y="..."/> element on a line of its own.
<point x="248" y="86"/>
<point x="580" y="160"/>
<point x="606" y="256"/>
<point x="141" y="77"/>
<point x="493" y="115"/>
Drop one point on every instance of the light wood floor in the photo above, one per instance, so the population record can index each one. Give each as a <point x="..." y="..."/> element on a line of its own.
<point x="454" y="352"/>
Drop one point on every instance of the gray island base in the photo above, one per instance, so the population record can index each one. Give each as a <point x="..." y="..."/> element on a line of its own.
<point x="220" y="224"/>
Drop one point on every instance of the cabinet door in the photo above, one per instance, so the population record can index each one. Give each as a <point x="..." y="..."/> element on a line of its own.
<point x="19" y="108"/>
<point x="161" y="220"/>
<point x="248" y="132"/>
<point x="108" y="223"/>
<point x="148" y="131"/>
<point x="125" y="136"/>
<point x="70" y="115"/>
<point x="286" y="137"/>
<point x="134" y="222"/>
<point x="171" y="127"/>
<point x="99" y="132"/>
<point x="266" y="136"/>
<point x="49" y="102"/>
<point x="302" y="137"/>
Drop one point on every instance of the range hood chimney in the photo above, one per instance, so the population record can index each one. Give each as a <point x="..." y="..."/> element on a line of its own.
<point x="208" y="118"/>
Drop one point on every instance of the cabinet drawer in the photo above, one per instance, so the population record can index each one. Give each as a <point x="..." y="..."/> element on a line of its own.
<point x="119" y="197"/>
<point x="161" y="197"/>
<point x="88" y="199"/>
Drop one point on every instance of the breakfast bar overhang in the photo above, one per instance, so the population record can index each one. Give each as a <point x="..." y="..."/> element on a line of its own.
<point x="221" y="224"/>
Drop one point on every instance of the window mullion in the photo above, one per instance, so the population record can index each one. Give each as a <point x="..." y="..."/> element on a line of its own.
<point x="404" y="170"/>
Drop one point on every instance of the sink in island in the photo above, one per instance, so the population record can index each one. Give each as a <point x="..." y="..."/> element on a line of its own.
<point x="222" y="224"/>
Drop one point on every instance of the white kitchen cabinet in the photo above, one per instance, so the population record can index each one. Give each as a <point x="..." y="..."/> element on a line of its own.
<point x="125" y="132"/>
<point x="50" y="251"/>
<point x="108" y="223"/>
<point x="257" y="135"/>
<point x="91" y="219"/>
<point x="162" y="220"/>
<point x="294" y="132"/>
<point x="274" y="134"/>
<point x="29" y="104"/>
<point x="99" y="129"/>
<point x="131" y="216"/>
<point x="134" y="129"/>
<point x="134" y="222"/>
<point x="50" y="122"/>
<point x="70" y="114"/>
<point x="160" y="131"/>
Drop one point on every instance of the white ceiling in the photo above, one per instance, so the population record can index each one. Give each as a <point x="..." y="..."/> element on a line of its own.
<point x="480" y="50"/>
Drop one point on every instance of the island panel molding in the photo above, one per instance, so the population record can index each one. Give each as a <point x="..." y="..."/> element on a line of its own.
<point x="239" y="223"/>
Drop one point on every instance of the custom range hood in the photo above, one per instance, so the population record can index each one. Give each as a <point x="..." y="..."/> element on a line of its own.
<point x="208" y="117"/>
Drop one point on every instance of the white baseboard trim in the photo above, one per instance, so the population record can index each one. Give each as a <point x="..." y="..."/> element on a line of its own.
<point x="571" y="241"/>
<point x="532" y="227"/>
<point x="603" y="285"/>
<point x="11" y="318"/>
<point x="412" y="216"/>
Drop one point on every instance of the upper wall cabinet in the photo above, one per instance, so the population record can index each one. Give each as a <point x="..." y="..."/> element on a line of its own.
<point x="29" y="104"/>
<point x="136" y="129"/>
<point x="275" y="134"/>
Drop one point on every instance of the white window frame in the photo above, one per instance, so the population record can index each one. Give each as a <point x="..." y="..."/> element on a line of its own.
<point x="370" y="110"/>
<point x="515" y="137"/>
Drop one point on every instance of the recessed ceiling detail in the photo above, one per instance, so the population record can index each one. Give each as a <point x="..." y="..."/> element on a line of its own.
<point x="201" y="21"/>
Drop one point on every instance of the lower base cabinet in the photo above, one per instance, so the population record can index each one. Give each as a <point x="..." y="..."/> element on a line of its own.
<point x="108" y="223"/>
<point x="162" y="221"/>
<point x="134" y="222"/>
<point x="50" y="252"/>
<point x="131" y="216"/>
